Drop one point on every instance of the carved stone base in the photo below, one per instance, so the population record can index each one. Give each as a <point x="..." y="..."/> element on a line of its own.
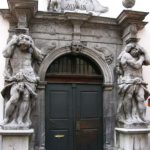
<point x="133" y="125"/>
<point x="15" y="139"/>
<point x="131" y="139"/>
<point x="15" y="127"/>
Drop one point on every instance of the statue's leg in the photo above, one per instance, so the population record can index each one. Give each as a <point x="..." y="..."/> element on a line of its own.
<point x="127" y="104"/>
<point x="11" y="103"/>
<point x="24" y="106"/>
<point x="140" y="102"/>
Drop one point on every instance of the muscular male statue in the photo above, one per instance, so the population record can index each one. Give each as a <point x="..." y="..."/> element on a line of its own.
<point x="132" y="88"/>
<point x="21" y="79"/>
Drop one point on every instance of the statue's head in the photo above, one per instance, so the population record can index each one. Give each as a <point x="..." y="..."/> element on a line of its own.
<point x="24" y="42"/>
<point x="134" y="50"/>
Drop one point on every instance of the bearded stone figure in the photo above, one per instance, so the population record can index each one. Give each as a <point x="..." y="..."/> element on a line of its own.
<point x="132" y="89"/>
<point x="21" y="81"/>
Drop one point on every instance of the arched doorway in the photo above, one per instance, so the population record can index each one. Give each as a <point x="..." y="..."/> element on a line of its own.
<point x="74" y="106"/>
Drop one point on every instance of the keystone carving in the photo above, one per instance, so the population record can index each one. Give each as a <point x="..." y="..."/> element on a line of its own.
<point x="21" y="81"/>
<point x="76" y="47"/>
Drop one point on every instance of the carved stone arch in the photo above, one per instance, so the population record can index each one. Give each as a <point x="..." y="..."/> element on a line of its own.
<point x="92" y="54"/>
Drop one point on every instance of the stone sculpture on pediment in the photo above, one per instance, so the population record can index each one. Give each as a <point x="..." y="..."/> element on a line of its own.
<point x="21" y="81"/>
<point x="132" y="88"/>
<point x="81" y="6"/>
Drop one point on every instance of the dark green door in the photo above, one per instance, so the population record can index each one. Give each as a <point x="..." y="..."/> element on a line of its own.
<point x="74" y="117"/>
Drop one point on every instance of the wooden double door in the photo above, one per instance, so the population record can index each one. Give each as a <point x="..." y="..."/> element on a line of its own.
<point x="74" y="117"/>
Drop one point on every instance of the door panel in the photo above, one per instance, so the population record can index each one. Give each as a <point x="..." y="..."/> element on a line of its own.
<point x="88" y="98"/>
<point x="59" y="104"/>
<point x="59" y="125"/>
<point x="89" y="118"/>
<point x="74" y="117"/>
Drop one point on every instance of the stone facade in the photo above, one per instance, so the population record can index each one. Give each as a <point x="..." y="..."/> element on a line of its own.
<point x="56" y="34"/>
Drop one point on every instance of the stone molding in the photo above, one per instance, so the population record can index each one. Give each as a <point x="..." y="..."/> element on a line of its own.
<point x="125" y="130"/>
<point x="20" y="12"/>
<point x="30" y="7"/>
<point x="131" y="22"/>
<point x="16" y="132"/>
<point x="94" y="55"/>
<point x="128" y="17"/>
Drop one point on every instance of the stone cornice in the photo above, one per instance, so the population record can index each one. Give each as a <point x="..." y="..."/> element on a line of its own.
<point x="32" y="5"/>
<point x="16" y="132"/>
<point x="29" y="8"/>
<point x="75" y="17"/>
<point x="128" y="17"/>
<point x="20" y="11"/>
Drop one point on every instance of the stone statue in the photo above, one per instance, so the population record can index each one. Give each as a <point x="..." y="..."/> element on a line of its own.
<point x="81" y="6"/>
<point x="54" y="5"/>
<point x="132" y="88"/>
<point x="20" y="90"/>
<point x="128" y="3"/>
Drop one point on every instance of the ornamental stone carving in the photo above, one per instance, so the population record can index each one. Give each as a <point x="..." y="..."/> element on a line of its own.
<point x="128" y="3"/>
<point x="76" y="47"/>
<point x="105" y="54"/>
<point x="21" y="81"/>
<point x="132" y="89"/>
<point x="80" y="6"/>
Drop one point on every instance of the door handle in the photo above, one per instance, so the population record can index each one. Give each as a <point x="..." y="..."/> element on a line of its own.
<point x="78" y="125"/>
<point x="59" y="136"/>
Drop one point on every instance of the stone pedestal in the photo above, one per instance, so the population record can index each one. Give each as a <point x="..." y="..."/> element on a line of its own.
<point x="131" y="139"/>
<point x="15" y="139"/>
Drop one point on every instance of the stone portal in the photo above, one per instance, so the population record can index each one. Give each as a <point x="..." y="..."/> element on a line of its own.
<point x="61" y="32"/>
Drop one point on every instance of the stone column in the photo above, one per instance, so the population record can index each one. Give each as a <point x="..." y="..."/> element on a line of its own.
<point x="16" y="139"/>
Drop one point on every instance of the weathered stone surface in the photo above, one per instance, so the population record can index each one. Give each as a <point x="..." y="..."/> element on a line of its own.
<point x="79" y="6"/>
<point x="54" y="33"/>
<point x="132" y="89"/>
<point x="16" y="139"/>
<point x="20" y="76"/>
<point x="131" y="139"/>
<point x="128" y="3"/>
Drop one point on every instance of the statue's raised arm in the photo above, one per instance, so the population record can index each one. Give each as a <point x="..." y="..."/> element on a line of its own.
<point x="20" y="54"/>
<point x="8" y="51"/>
<point x="132" y="89"/>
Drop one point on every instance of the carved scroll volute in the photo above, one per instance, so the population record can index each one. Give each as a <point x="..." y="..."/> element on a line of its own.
<point x="105" y="54"/>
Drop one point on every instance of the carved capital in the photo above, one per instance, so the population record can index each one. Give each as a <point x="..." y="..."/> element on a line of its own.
<point x="22" y="11"/>
<point x="131" y="22"/>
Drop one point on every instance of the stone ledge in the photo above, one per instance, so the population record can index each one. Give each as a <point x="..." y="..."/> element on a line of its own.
<point x="16" y="132"/>
<point x="124" y="130"/>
